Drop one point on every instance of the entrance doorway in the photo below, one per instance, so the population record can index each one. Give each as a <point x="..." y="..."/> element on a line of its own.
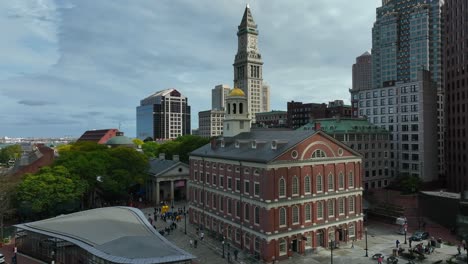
<point x="294" y="245"/>
<point x="320" y="237"/>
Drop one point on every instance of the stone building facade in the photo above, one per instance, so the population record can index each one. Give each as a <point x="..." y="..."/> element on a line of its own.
<point x="210" y="123"/>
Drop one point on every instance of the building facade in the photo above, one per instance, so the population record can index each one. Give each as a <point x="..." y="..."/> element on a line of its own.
<point x="272" y="119"/>
<point x="210" y="123"/>
<point x="248" y="65"/>
<point x="275" y="193"/>
<point x="266" y="97"/>
<point x="456" y="94"/>
<point x="362" y="78"/>
<point x="371" y="141"/>
<point x="409" y="112"/>
<point x="338" y="108"/>
<point x="163" y="115"/>
<point x="300" y="114"/>
<point x="407" y="38"/>
<point x="218" y="96"/>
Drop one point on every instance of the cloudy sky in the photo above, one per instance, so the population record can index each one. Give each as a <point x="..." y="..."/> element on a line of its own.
<point x="67" y="66"/>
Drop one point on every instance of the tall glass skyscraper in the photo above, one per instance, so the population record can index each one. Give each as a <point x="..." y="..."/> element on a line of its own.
<point x="406" y="38"/>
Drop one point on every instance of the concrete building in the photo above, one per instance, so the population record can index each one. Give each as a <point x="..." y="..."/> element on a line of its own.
<point x="266" y="97"/>
<point x="248" y="65"/>
<point x="168" y="180"/>
<point x="210" y="123"/>
<point x="300" y="114"/>
<point x="371" y="141"/>
<point x="105" y="235"/>
<point x="218" y="96"/>
<point x="407" y="37"/>
<point x="163" y="115"/>
<point x="408" y="110"/>
<point x="362" y="78"/>
<point x="456" y="95"/>
<point x="275" y="193"/>
<point x="338" y="108"/>
<point x="272" y="119"/>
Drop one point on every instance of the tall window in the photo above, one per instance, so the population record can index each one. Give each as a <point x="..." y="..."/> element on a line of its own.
<point x="319" y="183"/>
<point x="351" y="204"/>
<point x="331" y="182"/>
<point x="256" y="189"/>
<point x="295" y="186"/>
<point x="319" y="210"/>
<point x="307" y="184"/>
<point x="319" y="154"/>
<point x="341" y="180"/>
<point x="257" y="244"/>
<point x="257" y="215"/>
<point x="221" y="203"/>
<point x="341" y="206"/>
<point x="246" y="212"/>
<point x="229" y="206"/>
<point x="238" y="209"/>
<point x="282" y="247"/>
<point x="351" y="230"/>
<point x="351" y="180"/>
<point x="282" y="216"/>
<point x="331" y="207"/>
<point x="308" y="212"/>
<point x="295" y="214"/>
<point x="282" y="187"/>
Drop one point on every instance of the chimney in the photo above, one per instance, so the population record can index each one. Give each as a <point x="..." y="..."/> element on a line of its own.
<point x="175" y="157"/>
<point x="162" y="156"/>
<point x="213" y="143"/>
<point x="317" y="126"/>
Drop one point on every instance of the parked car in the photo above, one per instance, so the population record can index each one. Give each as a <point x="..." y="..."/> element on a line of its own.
<point x="419" y="235"/>
<point x="392" y="260"/>
<point x="2" y="259"/>
<point x="376" y="256"/>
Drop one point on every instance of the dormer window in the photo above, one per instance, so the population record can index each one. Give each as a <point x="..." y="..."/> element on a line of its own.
<point x="254" y="144"/>
<point x="237" y="169"/>
<point x="274" y="144"/>
<point x="237" y="144"/>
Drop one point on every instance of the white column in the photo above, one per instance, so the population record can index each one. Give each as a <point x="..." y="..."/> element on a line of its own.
<point x="156" y="193"/>
<point x="172" y="190"/>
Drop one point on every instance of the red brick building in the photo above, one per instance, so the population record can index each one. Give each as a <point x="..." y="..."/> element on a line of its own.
<point x="277" y="193"/>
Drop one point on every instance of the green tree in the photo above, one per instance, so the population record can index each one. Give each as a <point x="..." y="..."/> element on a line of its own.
<point x="51" y="191"/>
<point x="181" y="146"/>
<point x="150" y="148"/>
<point x="138" y="142"/>
<point x="10" y="152"/>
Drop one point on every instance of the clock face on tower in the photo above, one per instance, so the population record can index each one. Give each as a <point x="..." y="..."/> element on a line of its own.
<point x="252" y="43"/>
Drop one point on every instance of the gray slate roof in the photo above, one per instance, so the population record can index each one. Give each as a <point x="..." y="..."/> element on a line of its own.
<point x="159" y="165"/>
<point x="263" y="152"/>
<point x="117" y="234"/>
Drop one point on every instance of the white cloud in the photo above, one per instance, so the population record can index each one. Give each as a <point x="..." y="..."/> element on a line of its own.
<point x="68" y="66"/>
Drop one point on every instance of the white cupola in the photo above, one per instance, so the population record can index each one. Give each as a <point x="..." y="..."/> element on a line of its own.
<point x="237" y="119"/>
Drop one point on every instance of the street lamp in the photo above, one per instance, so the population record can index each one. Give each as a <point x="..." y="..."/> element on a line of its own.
<point x="223" y="247"/>
<point x="331" y="251"/>
<point x="365" y="231"/>
<point x="53" y="256"/>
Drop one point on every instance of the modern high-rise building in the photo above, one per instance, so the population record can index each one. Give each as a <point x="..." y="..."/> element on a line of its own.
<point x="456" y="94"/>
<point x="163" y="115"/>
<point x="248" y="65"/>
<point x="218" y="96"/>
<point x="210" y="123"/>
<point x="362" y="78"/>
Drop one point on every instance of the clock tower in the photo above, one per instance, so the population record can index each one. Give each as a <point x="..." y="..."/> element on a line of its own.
<point x="248" y="72"/>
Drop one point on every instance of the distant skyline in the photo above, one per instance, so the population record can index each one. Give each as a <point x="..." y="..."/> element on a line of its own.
<point x="67" y="66"/>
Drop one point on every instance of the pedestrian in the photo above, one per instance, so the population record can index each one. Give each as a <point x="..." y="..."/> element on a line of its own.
<point x="459" y="249"/>
<point x="191" y="243"/>
<point x="202" y="235"/>
<point x="236" y="252"/>
<point x="229" y="257"/>
<point x="397" y="243"/>
<point x="195" y="243"/>
<point x="379" y="260"/>
<point x="410" y="242"/>
<point x="150" y="219"/>
<point x="352" y="243"/>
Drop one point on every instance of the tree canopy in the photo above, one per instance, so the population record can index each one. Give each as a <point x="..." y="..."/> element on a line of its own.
<point x="181" y="146"/>
<point x="9" y="152"/>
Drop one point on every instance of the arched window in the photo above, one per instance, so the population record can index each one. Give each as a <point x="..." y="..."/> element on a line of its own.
<point x="341" y="180"/>
<point x="307" y="184"/>
<point x="229" y="108"/>
<point x="331" y="182"/>
<point x="351" y="230"/>
<point x="308" y="212"/>
<point x="295" y="186"/>
<point x="241" y="108"/>
<point x="282" y="247"/>
<point x="331" y="207"/>
<point x="351" y="180"/>
<point x="234" y="108"/>
<point x="295" y="214"/>
<point x="319" y="210"/>
<point x="282" y="216"/>
<point x="246" y="212"/>
<point x="319" y="183"/>
<point x="282" y="188"/>
<point x="351" y="204"/>
<point x="319" y="154"/>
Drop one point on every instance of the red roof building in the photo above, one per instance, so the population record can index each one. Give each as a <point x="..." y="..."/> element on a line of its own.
<point x="100" y="136"/>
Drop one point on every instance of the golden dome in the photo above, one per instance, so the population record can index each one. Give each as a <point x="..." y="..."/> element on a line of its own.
<point x="236" y="92"/>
